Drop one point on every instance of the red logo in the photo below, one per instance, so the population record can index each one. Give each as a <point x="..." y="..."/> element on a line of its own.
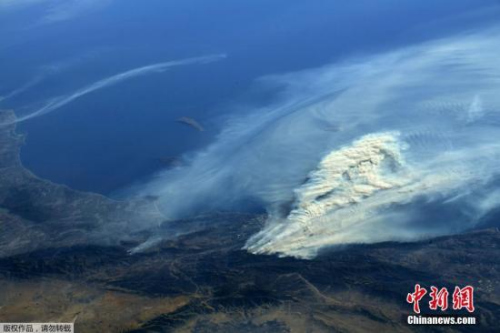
<point x="463" y="298"/>
<point x="439" y="299"/>
<point x="416" y="297"/>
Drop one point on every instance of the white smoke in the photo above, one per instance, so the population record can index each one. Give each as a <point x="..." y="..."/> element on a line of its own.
<point x="354" y="189"/>
<point x="328" y="165"/>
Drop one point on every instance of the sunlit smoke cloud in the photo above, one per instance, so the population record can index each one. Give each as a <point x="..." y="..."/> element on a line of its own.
<point x="353" y="197"/>
<point x="408" y="141"/>
<point x="59" y="102"/>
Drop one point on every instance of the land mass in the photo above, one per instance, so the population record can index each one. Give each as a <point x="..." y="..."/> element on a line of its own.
<point x="66" y="256"/>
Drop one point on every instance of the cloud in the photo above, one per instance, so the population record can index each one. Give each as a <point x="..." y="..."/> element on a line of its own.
<point x="59" y="102"/>
<point x="432" y="178"/>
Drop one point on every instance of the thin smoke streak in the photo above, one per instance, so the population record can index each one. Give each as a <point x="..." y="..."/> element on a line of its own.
<point x="113" y="80"/>
<point x="22" y="89"/>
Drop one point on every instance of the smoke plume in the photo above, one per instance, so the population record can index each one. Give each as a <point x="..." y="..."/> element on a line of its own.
<point x="392" y="147"/>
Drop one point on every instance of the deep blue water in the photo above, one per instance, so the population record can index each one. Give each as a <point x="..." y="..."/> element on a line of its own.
<point x="114" y="137"/>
